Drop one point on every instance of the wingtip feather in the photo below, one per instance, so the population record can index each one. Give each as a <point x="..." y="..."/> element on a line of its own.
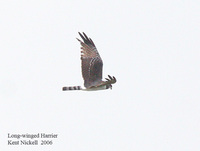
<point x="110" y="77"/>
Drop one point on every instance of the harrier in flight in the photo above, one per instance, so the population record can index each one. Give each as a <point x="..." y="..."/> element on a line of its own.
<point x="92" y="65"/>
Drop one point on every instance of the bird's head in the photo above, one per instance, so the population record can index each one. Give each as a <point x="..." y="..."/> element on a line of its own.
<point x="109" y="86"/>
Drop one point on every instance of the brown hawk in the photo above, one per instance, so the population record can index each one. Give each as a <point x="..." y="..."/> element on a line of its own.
<point x="92" y="66"/>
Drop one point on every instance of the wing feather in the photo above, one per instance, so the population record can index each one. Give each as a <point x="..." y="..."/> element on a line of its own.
<point x="91" y="61"/>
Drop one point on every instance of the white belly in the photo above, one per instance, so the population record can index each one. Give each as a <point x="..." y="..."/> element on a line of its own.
<point x="95" y="88"/>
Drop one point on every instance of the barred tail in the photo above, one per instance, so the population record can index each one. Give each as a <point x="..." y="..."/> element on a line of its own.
<point x="71" y="88"/>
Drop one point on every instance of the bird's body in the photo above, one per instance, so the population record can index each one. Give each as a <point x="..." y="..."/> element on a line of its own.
<point x="96" y="88"/>
<point x="92" y="66"/>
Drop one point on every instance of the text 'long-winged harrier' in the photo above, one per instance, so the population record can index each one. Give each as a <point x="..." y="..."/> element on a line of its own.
<point x="92" y="65"/>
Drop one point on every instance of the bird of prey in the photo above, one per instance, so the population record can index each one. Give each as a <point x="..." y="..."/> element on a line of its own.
<point x="92" y="65"/>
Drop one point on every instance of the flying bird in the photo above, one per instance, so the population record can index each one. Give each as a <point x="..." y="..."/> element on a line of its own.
<point x="92" y="66"/>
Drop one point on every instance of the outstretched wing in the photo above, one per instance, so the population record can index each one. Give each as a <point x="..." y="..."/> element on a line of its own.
<point x="91" y="61"/>
<point x="109" y="81"/>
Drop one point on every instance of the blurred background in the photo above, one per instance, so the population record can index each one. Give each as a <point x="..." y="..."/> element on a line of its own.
<point x="151" y="47"/>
